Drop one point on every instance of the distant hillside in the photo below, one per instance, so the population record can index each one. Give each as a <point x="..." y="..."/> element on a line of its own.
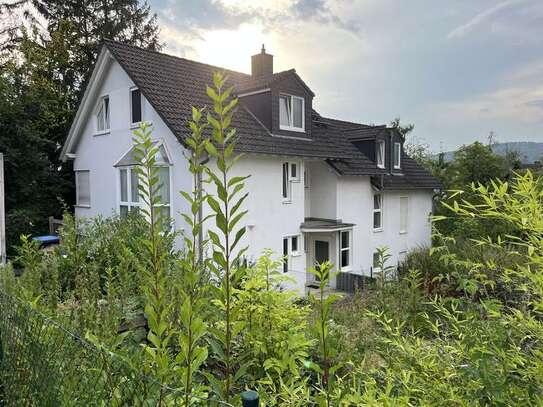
<point x="529" y="151"/>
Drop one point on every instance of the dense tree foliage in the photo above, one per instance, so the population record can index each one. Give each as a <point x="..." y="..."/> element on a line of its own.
<point x="45" y="62"/>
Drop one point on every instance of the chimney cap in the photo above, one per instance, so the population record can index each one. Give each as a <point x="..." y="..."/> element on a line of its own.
<point x="263" y="50"/>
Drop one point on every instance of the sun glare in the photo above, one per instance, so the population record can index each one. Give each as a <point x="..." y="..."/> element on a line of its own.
<point x="231" y="49"/>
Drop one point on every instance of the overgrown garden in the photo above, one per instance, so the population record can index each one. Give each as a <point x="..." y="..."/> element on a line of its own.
<point x="459" y="324"/>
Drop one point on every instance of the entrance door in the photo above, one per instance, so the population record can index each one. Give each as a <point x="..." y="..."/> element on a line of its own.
<point x="322" y="253"/>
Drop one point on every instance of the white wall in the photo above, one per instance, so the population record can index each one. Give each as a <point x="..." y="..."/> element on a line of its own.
<point x="419" y="226"/>
<point x="269" y="218"/>
<point x="323" y="190"/>
<point x="355" y="205"/>
<point x="99" y="153"/>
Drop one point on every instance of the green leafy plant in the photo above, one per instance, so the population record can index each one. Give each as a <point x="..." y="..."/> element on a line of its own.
<point x="157" y="307"/>
<point x="275" y="324"/>
<point x="326" y="369"/>
<point x="228" y="212"/>
<point x="192" y="352"/>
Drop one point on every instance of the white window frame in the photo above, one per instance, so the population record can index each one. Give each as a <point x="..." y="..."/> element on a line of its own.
<point x="128" y="203"/>
<point x="285" y="243"/>
<point x="286" y="183"/>
<point x="77" y="187"/>
<point x="107" y="119"/>
<point x="290" y="252"/>
<point x="291" y="127"/>
<point x="347" y="249"/>
<point x="404" y="228"/>
<point x="296" y="252"/>
<point x="131" y="204"/>
<point x="380" y="148"/>
<point x="397" y="155"/>
<point x="132" y="122"/>
<point x="298" y="168"/>
<point x="380" y="210"/>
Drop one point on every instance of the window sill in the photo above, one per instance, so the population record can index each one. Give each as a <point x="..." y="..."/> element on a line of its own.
<point x="82" y="206"/>
<point x="382" y="167"/>
<point x="379" y="230"/>
<point x="286" y="201"/>
<point x="397" y="168"/>
<point x="296" y="129"/>
<point x="295" y="254"/>
<point x="403" y="232"/>
<point x="347" y="269"/>
<point x="102" y="133"/>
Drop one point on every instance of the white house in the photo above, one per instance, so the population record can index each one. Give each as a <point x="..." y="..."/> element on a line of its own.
<point x="319" y="189"/>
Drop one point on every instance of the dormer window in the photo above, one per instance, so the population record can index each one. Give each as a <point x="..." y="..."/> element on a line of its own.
<point x="397" y="155"/>
<point x="102" y="115"/>
<point x="291" y="113"/>
<point x="380" y="153"/>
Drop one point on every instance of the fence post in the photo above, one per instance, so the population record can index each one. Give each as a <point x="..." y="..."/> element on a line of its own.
<point x="249" y="398"/>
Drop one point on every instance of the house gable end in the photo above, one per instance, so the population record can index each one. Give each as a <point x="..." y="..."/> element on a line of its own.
<point x="88" y="103"/>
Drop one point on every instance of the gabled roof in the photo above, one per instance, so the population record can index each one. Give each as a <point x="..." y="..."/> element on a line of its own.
<point x="172" y="85"/>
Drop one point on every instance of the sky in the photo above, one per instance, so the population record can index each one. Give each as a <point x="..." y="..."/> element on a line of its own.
<point x="457" y="70"/>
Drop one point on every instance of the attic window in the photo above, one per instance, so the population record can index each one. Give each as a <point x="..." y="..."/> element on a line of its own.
<point x="397" y="155"/>
<point x="102" y="115"/>
<point x="380" y="153"/>
<point x="135" y="106"/>
<point x="291" y="113"/>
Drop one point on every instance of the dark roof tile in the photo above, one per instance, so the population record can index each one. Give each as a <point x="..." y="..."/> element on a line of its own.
<point x="172" y="85"/>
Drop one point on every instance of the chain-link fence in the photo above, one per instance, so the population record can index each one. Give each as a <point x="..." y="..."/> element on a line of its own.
<point x="44" y="364"/>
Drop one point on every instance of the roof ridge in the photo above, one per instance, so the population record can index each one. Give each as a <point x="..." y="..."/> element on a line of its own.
<point x="152" y="51"/>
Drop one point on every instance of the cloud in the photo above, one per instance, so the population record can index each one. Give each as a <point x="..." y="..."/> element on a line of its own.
<point x="457" y="70"/>
<point x="197" y="15"/>
<point x="482" y="18"/>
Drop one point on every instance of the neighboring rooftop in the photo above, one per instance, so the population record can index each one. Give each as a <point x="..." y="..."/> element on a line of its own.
<point x="172" y="85"/>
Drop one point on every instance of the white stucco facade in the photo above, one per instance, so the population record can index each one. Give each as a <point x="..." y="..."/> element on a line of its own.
<point x="99" y="152"/>
<point x="318" y="192"/>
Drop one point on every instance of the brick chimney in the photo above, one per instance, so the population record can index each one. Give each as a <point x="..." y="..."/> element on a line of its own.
<point x="261" y="64"/>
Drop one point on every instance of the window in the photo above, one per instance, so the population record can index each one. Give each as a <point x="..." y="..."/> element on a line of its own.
<point x="285" y="254"/>
<point x="291" y="113"/>
<point x="286" y="183"/>
<point x="102" y="116"/>
<point x="135" y="106"/>
<point x="294" y="244"/>
<point x="397" y="155"/>
<point x="404" y="213"/>
<point x="377" y="212"/>
<point x="129" y="194"/>
<point x="380" y="153"/>
<point x="345" y="248"/>
<point x="294" y="176"/>
<point x="82" y="186"/>
<point x="164" y="191"/>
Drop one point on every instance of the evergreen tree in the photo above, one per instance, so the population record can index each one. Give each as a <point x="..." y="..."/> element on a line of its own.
<point x="45" y="63"/>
